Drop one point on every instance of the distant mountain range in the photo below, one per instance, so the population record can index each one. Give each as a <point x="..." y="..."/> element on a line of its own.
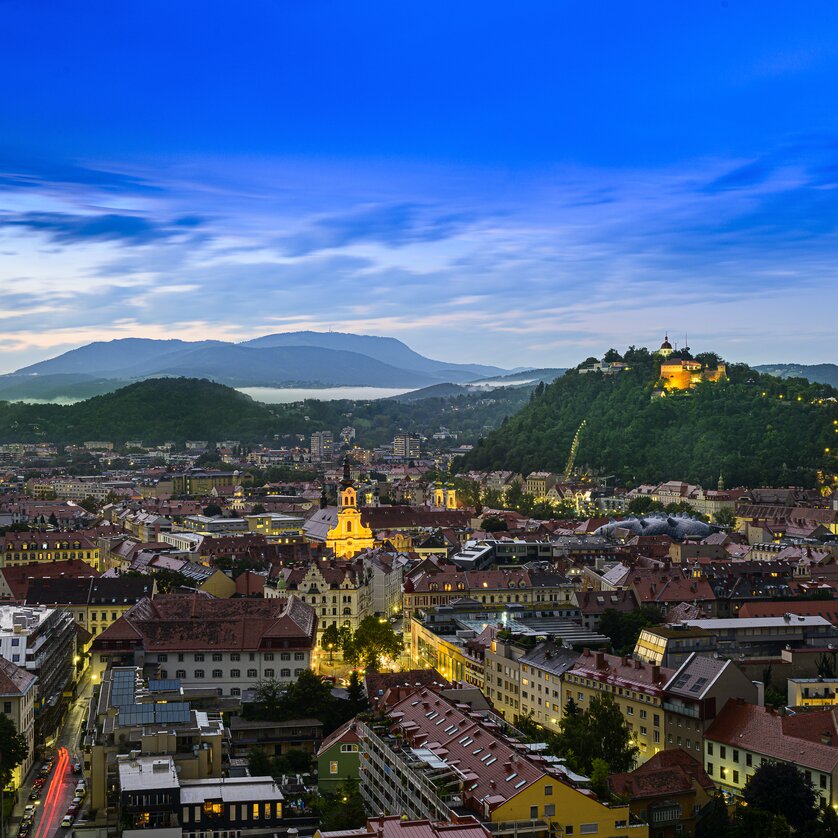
<point x="301" y="359"/>
<point x="816" y="373"/>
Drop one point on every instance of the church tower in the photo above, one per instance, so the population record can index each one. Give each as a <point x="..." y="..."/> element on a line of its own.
<point x="666" y="348"/>
<point x="349" y="536"/>
<point x="439" y="493"/>
<point x="450" y="491"/>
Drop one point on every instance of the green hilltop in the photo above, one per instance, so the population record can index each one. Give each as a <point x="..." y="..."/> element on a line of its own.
<point x="177" y="409"/>
<point x="752" y="428"/>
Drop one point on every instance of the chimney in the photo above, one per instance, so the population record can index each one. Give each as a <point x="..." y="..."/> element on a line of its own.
<point x="600" y="660"/>
<point x="826" y="738"/>
<point x="586" y="652"/>
<point x="656" y="673"/>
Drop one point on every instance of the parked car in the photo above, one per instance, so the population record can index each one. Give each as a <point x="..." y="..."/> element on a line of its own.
<point x="67" y="821"/>
<point x="23" y="832"/>
<point x="35" y="794"/>
<point x="76" y="767"/>
<point x="28" y="810"/>
<point x="72" y="809"/>
<point x="77" y="800"/>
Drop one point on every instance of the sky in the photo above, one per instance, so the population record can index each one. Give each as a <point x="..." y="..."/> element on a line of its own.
<point x="520" y="184"/>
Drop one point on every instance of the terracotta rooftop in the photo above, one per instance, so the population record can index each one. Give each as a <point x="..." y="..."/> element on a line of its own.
<point x="393" y="826"/>
<point x="175" y="623"/>
<point x="763" y="731"/>
<point x="13" y="679"/>
<point x="666" y="773"/>
<point x="18" y="577"/>
<point x="612" y="669"/>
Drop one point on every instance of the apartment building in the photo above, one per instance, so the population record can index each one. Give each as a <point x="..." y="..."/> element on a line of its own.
<point x="744" y="736"/>
<point x="636" y="687"/>
<point x="149" y="718"/>
<point x="43" y="642"/>
<point x="17" y="548"/>
<point x="95" y="603"/>
<point x="428" y="757"/>
<point x="17" y="701"/>
<point x="322" y="445"/>
<point x="406" y="446"/>
<point x="229" y="644"/>
<point x="339" y="591"/>
<point x="440" y="586"/>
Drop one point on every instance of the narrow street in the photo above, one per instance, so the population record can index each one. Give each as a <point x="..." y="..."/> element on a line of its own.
<point x="58" y="792"/>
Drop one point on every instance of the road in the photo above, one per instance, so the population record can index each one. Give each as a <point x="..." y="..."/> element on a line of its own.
<point x="59" y="791"/>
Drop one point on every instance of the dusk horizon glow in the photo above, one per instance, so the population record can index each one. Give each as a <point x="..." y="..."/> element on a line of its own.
<point x="518" y="190"/>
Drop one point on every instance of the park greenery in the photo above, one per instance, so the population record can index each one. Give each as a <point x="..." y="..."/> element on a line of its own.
<point x="753" y="429"/>
<point x="624" y="627"/>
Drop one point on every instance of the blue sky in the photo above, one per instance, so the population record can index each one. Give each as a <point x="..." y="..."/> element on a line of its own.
<point x="510" y="183"/>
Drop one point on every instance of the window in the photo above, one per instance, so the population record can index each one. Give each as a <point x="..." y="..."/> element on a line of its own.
<point x="735" y="755"/>
<point x="285" y="656"/>
<point x="162" y="658"/>
<point x="235" y="673"/>
<point x="199" y="657"/>
<point x="269" y="656"/>
<point x="550" y="810"/>
<point x="333" y="768"/>
<point x="748" y="759"/>
<point x="735" y="776"/>
<point x="269" y="673"/>
<point x="299" y="656"/>
<point x="235" y="656"/>
<point x="252" y="673"/>
<point x="533" y="813"/>
<point x="723" y="752"/>
<point x="823" y="781"/>
<point x="217" y="657"/>
<point x="348" y="748"/>
<point x="548" y="790"/>
<point x="588" y="828"/>
<point x="710" y="750"/>
<point x="285" y="673"/>
<point x="255" y="811"/>
<point x="217" y="673"/>
<point x="199" y="673"/>
<point x="298" y="671"/>
<point x="7" y="707"/>
<point x="180" y="657"/>
<point x="181" y="673"/>
<point x="722" y="772"/>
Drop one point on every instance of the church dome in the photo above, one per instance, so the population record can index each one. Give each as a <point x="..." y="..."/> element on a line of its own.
<point x="666" y="344"/>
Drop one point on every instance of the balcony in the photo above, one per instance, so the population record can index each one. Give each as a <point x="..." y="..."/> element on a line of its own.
<point x="682" y="709"/>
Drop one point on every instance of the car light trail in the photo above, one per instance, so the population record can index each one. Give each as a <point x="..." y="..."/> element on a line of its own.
<point x="46" y="822"/>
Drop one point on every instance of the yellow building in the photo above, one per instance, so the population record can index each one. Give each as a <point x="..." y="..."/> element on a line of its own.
<point x="349" y="536"/>
<point x="17" y="701"/>
<point x="460" y="762"/>
<point x="684" y="375"/>
<point x="636" y="687"/>
<point x="17" y="548"/>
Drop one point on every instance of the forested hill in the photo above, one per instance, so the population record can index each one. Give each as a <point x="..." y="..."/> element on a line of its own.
<point x="177" y="409"/>
<point x="754" y="429"/>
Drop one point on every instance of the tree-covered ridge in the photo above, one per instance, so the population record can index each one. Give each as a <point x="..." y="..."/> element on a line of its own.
<point x="177" y="409"/>
<point x="753" y="429"/>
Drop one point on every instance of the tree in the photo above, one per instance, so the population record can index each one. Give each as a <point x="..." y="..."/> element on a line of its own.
<point x="170" y="580"/>
<point x="355" y="694"/>
<point x="624" y="627"/>
<point x="725" y="517"/>
<point x="90" y="504"/>
<point x="212" y="510"/>
<point x="259" y="763"/>
<point x="779" y="788"/>
<point x="599" y="778"/>
<point x="600" y="732"/>
<point x="341" y="811"/>
<point x="376" y="639"/>
<point x="493" y="523"/>
<point x="715" y="822"/>
<point x="611" y="356"/>
<point x="258" y="509"/>
<point x="14" y="750"/>
<point x="751" y="822"/>
<point x="330" y="639"/>
<point x="643" y="504"/>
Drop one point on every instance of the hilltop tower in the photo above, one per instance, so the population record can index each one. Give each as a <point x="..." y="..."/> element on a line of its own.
<point x="666" y="347"/>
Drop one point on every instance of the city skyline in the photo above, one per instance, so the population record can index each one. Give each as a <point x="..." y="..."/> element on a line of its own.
<point x="515" y="191"/>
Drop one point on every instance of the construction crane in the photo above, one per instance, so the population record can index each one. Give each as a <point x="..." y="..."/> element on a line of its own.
<point x="574" y="447"/>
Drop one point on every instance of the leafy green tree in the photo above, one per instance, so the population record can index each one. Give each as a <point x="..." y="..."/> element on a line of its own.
<point x="624" y="627"/>
<point x="715" y="821"/>
<point x="468" y="492"/>
<point x="779" y="788"/>
<point x="599" y="732"/>
<point x="259" y="763"/>
<point x="725" y="517"/>
<point x="643" y="504"/>
<point x="90" y="504"/>
<point x="343" y="810"/>
<point x="170" y="580"/>
<point x="258" y="509"/>
<point x="376" y="639"/>
<point x="493" y="499"/>
<point x="330" y="640"/>
<point x="492" y="523"/>
<point x="611" y="356"/>
<point x="213" y="510"/>
<point x="356" y="695"/>
<point x="752" y="822"/>
<point x="14" y="750"/>
<point x="599" y="778"/>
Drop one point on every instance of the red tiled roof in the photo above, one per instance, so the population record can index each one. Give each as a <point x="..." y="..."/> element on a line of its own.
<point x="666" y="773"/>
<point x="392" y="826"/>
<point x="765" y="732"/>
<point x="13" y="679"/>
<point x="827" y="608"/>
<point x="17" y="577"/>
<point x="612" y="669"/>
<point x="174" y="623"/>
<point x="345" y="734"/>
